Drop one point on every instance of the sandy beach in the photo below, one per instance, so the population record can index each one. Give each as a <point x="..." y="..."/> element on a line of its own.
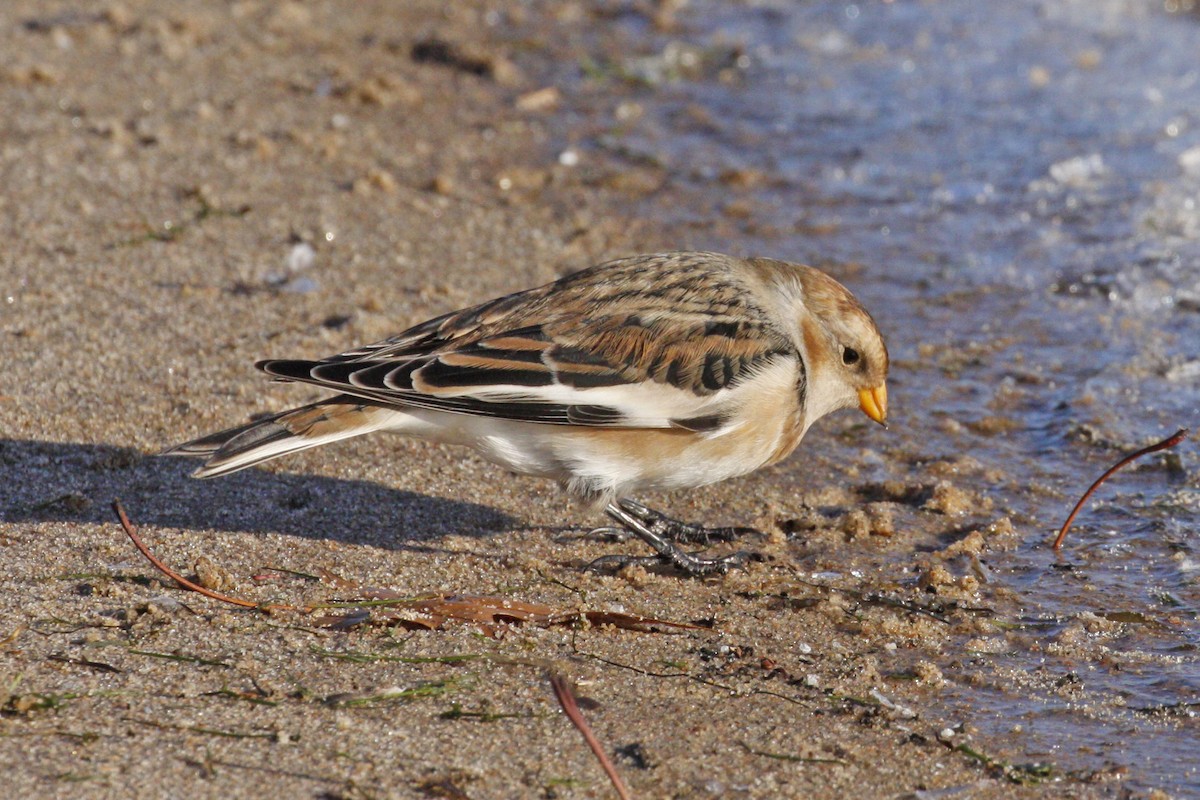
<point x="189" y="187"/>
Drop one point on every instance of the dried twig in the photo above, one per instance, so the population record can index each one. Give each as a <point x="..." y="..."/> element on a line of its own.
<point x="487" y="612"/>
<point x="566" y="699"/>
<point x="127" y="526"/>
<point x="788" y="757"/>
<point x="428" y="613"/>
<point x="1165" y="444"/>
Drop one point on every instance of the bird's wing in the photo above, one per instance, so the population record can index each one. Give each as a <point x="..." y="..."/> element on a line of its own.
<point x="583" y="351"/>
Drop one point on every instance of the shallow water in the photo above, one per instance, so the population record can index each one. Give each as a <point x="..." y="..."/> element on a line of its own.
<point x="1014" y="190"/>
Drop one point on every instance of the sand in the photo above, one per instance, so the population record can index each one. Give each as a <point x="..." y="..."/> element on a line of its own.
<point x="188" y="187"/>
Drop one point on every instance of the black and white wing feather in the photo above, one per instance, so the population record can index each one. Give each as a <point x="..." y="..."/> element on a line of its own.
<point x="615" y="345"/>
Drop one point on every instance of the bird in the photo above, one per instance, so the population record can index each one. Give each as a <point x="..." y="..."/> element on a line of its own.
<point x="655" y="372"/>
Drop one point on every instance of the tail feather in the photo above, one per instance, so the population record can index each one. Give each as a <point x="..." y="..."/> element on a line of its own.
<point x="287" y="432"/>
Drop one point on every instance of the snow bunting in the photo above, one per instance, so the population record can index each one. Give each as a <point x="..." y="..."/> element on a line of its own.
<point x="663" y="371"/>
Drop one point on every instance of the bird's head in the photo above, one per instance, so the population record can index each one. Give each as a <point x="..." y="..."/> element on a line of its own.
<point x="846" y="357"/>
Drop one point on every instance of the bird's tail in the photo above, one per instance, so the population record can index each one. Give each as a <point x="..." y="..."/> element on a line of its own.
<point x="287" y="432"/>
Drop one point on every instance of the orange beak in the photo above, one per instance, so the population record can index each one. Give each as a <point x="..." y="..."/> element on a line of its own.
<point x="873" y="403"/>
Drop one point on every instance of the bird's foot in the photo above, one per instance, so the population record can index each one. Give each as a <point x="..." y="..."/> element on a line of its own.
<point x="662" y="533"/>
<point x="695" y="566"/>
<point x="609" y="533"/>
<point x="678" y="531"/>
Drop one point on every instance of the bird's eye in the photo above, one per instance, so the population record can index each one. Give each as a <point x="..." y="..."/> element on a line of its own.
<point x="850" y="356"/>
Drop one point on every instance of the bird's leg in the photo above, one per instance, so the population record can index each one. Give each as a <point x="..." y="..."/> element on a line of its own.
<point x="678" y="531"/>
<point x="671" y="529"/>
<point x="610" y="533"/>
<point x="659" y="532"/>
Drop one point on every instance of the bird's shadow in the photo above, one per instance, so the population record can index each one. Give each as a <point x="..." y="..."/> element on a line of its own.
<point x="71" y="482"/>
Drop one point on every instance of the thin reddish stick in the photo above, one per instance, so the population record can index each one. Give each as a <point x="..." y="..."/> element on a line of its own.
<point x="165" y="570"/>
<point x="1169" y="442"/>
<point x="566" y="699"/>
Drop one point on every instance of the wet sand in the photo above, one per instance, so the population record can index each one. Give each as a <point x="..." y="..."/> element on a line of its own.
<point x="169" y="171"/>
